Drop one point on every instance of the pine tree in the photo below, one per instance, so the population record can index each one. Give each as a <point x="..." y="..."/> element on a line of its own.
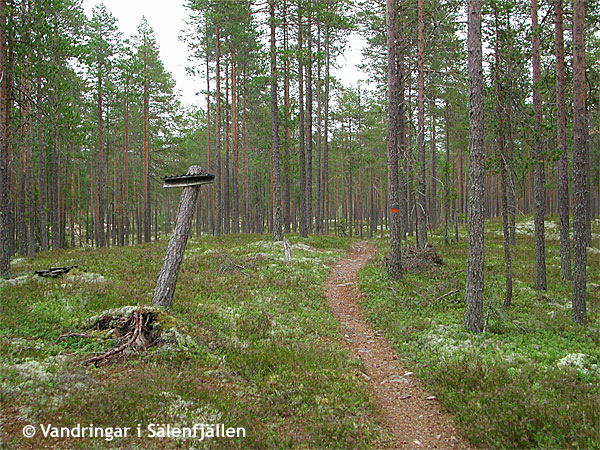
<point x="561" y="126"/>
<point x="421" y="193"/>
<point x="394" y="92"/>
<point x="538" y="176"/>
<point x="276" y="227"/>
<point x="580" y="166"/>
<point x="102" y="48"/>
<point x="5" y="106"/>
<point x="475" y="254"/>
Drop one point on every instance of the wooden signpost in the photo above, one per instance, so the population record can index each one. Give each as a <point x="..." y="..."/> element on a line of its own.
<point x="167" y="277"/>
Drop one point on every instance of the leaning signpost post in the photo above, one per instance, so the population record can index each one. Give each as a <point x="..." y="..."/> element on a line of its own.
<point x="167" y="277"/>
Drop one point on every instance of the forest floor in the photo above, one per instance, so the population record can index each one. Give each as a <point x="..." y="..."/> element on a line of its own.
<point x="254" y="344"/>
<point x="412" y="416"/>
<point x="532" y="379"/>
<point x="255" y="347"/>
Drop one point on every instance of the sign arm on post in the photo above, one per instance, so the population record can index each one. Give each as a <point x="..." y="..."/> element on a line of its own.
<point x="167" y="277"/>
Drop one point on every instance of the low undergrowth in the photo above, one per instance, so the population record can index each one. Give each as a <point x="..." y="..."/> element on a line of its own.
<point x="260" y="349"/>
<point x="532" y="380"/>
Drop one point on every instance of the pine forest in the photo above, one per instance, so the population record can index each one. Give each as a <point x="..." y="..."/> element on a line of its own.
<point x="328" y="224"/>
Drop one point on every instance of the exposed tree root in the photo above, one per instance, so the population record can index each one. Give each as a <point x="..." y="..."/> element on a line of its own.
<point x="137" y="328"/>
<point x="134" y="338"/>
<point x="68" y="335"/>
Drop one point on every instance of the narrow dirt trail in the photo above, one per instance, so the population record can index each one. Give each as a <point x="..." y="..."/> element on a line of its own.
<point x="413" y="420"/>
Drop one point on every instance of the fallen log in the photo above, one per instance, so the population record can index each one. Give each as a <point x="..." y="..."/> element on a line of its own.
<point x="54" y="272"/>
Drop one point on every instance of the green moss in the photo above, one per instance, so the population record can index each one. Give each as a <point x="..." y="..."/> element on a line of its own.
<point x="248" y="339"/>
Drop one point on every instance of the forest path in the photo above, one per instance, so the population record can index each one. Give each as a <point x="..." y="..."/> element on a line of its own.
<point x="412" y="420"/>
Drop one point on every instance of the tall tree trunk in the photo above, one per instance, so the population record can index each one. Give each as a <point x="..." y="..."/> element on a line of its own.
<point x="350" y="196"/>
<point x="588" y="191"/>
<point x="319" y="201"/>
<point x="42" y="193"/>
<point x="276" y="226"/>
<point x="9" y="75"/>
<point x="301" y="131"/>
<point x="446" y="171"/>
<point x="4" y="149"/>
<point x="245" y="191"/>
<point x="580" y="168"/>
<point x="146" y="175"/>
<point x="539" y="195"/>
<point x="561" y="126"/>
<point x="71" y="203"/>
<point x="344" y="218"/>
<point x="395" y="263"/>
<point x="29" y="188"/>
<point x="125" y="182"/>
<point x="22" y="182"/>
<point x="506" y="235"/>
<point x="325" y="171"/>
<point x="433" y="172"/>
<point x="372" y="219"/>
<point x="359" y="206"/>
<point x="235" y="212"/>
<point x="421" y="193"/>
<point x="511" y="193"/>
<point x="226" y="167"/>
<point x="475" y="255"/>
<point x="79" y="219"/>
<point x="461" y="185"/>
<point x="309" y="127"/>
<point x="54" y="192"/>
<point x="501" y="143"/>
<point x="402" y="148"/>
<point x="410" y="165"/>
<point x="590" y="183"/>
<point x="109" y="203"/>
<point x="287" y="134"/>
<point x="218" y="180"/>
<point x="209" y="164"/>
<point x="455" y="202"/>
<point x="100" y="170"/>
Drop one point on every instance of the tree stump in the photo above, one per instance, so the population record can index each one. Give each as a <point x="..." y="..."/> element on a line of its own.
<point x="287" y="252"/>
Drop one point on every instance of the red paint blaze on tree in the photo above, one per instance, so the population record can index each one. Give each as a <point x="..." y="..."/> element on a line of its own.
<point x="395" y="262"/>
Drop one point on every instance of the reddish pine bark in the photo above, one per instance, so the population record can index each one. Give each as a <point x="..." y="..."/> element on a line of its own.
<point x="561" y="126"/>
<point x="580" y="166"/>
<point x="395" y="262"/>
<point x="538" y="174"/>
<point x="276" y="226"/>
<point x="421" y="189"/>
<point x="475" y="254"/>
